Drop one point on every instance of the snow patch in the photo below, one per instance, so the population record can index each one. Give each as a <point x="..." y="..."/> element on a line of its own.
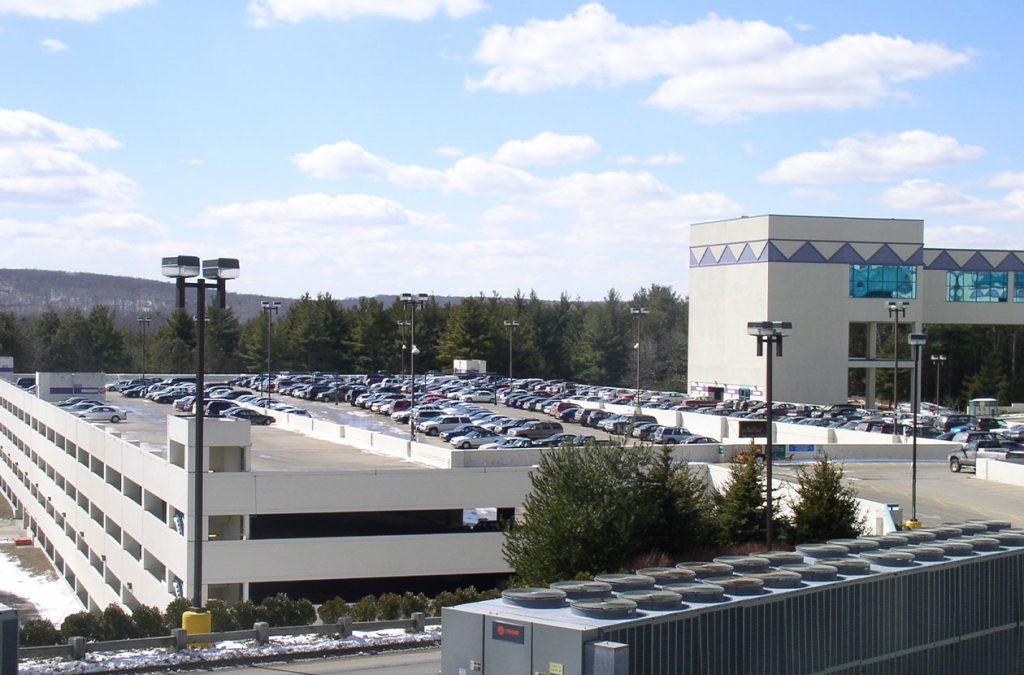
<point x="52" y="597"/>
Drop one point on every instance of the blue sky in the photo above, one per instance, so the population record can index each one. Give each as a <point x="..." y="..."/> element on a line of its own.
<point x="464" y="146"/>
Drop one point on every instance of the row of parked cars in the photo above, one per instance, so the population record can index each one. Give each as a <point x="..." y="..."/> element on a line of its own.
<point x="220" y="399"/>
<point x="93" y="410"/>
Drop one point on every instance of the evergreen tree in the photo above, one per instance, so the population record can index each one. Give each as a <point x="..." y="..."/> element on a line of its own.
<point x="740" y="508"/>
<point x="826" y="508"/>
<point x="677" y="505"/>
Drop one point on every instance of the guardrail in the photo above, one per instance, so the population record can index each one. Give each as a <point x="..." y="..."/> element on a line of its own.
<point x="179" y="639"/>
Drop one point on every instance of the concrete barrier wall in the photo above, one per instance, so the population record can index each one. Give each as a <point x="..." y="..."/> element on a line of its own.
<point x="1000" y="472"/>
<point x="513" y="457"/>
<point x="704" y="425"/>
<point x="441" y="458"/>
<point x="359" y="437"/>
<point x="391" y="445"/>
<point x="801" y="433"/>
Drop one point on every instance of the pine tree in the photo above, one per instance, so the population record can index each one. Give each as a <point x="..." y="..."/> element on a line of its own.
<point x="826" y="508"/>
<point x="740" y="508"/>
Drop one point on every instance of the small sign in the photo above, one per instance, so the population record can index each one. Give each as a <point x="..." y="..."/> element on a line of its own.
<point x="802" y="448"/>
<point x="555" y="669"/>
<point x="508" y="632"/>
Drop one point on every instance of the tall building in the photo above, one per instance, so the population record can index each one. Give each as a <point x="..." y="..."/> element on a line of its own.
<point x="833" y="278"/>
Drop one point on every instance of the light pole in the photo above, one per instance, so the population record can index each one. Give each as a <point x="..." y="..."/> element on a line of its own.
<point x="269" y="310"/>
<point x="917" y="341"/>
<point x="896" y="310"/>
<point x="144" y="322"/>
<point x="401" y="326"/>
<point x="638" y="313"/>
<point x="511" y="324"/>
<point x="938" y="360"/>
<point x="769" y="333"/>
<point x="414" y="301"/>
<point x="219" y="270"/>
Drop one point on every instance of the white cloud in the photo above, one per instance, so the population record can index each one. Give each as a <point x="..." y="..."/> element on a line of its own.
<point x="654" y="160"/>
<point x="450" y="151"/>
<point x="969" y="236"/>
<point x="262" y="12"/>
<point x="54" y="45"/>
<point x="195" y="162"/>
<point x="115" y="221"/>
<point x="1012" y="180"/>
<point x="920" y="194"/>
<point x="77" y="10"/>
<point x="547" y="148"/>
<point x="720" y="69"/>
<point x="870" y="157"/>
<point x="748" y="147"/>
<point x="36" y="176"/>
<point x="507" y="214"/>
<point x="38" y="165"/>
<point x="814" y="193"/>
<point x="339" y="160"/>
<point x="26" y="128"/>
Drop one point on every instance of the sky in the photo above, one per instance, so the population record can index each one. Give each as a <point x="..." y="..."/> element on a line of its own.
<point x="363" y="147"/>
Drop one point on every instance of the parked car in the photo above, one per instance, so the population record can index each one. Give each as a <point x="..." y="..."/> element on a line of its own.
<point x="479" y="396"/>
<point x="474" y="439"/>
<point x="973" y="449"/>
<point x="536" y="429"/>
<point x="103" y="413"/>
<point x="435" y="426"/>
<point x="251" y="415"/>
<point x="670" y="435"/>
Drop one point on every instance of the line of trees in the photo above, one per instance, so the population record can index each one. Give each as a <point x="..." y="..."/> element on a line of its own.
<point x="567" y="338"/>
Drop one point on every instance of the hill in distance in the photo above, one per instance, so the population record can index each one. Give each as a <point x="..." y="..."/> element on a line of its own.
<point x="27" y="293"/>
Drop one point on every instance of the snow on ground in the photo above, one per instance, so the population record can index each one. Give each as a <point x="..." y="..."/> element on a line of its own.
<point x="52" y="597"/>
<point x="283" y="646"/>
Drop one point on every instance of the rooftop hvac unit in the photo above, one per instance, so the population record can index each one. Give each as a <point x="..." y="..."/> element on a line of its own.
<point x="675" y="575"/>
<point x="856" y="545"/>
<point x="627" y="582"/>
<point x="823" y="550"/>
<point x="703" y="570"/>
<point x="697" y="592"/>
<point x="739" y="585"/>
<point x="534" y="598"/>
<point x="813" y="572"/>
<point x="607" y="609"/>
<point x="848" y="567"/>
<point x="776" y="558"/>
<point x="583" y="590"/>
<point x="777" y="578"/>
<point x="654" y="601"/>
<point x="744" y="563"/>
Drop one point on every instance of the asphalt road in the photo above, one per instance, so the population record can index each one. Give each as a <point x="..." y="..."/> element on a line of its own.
<point x="942" y="496"/>
<point x="406" y="662"/>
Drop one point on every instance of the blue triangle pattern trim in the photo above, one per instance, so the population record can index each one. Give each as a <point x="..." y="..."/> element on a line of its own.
<point x="943" y="261"/>
<point x="1011" y="263"/>
<point x="885" y="256"/>
<point x="977" y="263"/>
<point x="772" y="254"/>
<point x="807" y="254"/>
<point x="693" y="259"/>
<point x="848" y="255"/>
<point x="747" y="255"/>
<point x="727" y="257"/>
<point x="916" y="258"/>
<point x="708" y="259"/>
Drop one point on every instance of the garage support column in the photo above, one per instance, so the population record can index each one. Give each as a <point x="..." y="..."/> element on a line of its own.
<point x="870" y="373"/>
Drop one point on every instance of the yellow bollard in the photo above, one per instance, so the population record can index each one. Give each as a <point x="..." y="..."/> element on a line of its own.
<point x="196" y="621"/>
<point x="911" y="524"/>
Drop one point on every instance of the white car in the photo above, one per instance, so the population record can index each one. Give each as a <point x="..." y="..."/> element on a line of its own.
<point x="104" y="413"/>
<point x="480" y="396"/>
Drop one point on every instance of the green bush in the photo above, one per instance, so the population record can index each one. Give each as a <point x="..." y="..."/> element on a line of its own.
<point x="365" y="609"/>
<point x="740" y="508"/>
<point x="149" y="622"/>
<point x="221" y="618"/>
<point x="283" y="611"/>
<point x="414" y="603"/>
<point x="333" y="610"/>
<point x="81" y="624"/>
<point x="389" y="607"/>
<point x="116" y="624"/>
<point x="464" y="595"/>
<point x="825" y="508"/>
<point x="443" y="599"/>
<point x="39" y="633"/>
<point x="246" y="613"/>
<point x="172" y="615"/>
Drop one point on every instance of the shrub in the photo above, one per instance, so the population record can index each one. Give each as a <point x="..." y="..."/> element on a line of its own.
<point x="740" y="508"/>
<point x="81" y="624"/>
<point x="149" y="622"/>
<point x="414" y="603"/>
<point x="283" y="611"/>
<point x="172" y="615"/>
<point x="826" y="508"/>
<point x="464" y="595"/>
<point x="39" y="633"/>
<point x="333" y="610"/>
<point x="246" y="613"/>
<point x="365" y="609"/>
<point x="221" y="618"/>
<point x="443" y="599"/>
<point x="116" y="624"/>
<point x="389" y="607"/>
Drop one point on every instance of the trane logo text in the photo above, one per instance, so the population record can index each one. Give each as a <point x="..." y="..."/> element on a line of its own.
<point x="508" y="632"/>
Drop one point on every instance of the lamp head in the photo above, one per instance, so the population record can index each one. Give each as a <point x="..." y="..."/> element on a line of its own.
<point x="180" y="266"/>
<point x="221" y="268"/>
<point x="917" y="339"/>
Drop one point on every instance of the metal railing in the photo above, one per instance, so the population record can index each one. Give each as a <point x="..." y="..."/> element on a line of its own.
<point x="261" y="632"/>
